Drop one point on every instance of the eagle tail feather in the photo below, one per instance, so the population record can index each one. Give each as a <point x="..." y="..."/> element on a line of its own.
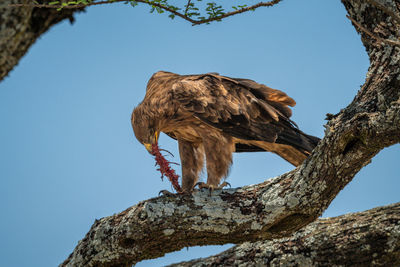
<point x="303" y="142"/>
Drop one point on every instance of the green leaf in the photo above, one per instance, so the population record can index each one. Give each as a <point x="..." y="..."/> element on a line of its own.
<point x="191" y="14"/>
<point x="159" y="10"/>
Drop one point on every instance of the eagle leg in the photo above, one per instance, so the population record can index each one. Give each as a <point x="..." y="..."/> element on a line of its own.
<point x="192" y="159"/>
<point x="218" y="148"/>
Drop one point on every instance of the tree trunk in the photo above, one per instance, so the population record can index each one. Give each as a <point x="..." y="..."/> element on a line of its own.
<point x="369" y="238"/>
<point x="20" y="27"/>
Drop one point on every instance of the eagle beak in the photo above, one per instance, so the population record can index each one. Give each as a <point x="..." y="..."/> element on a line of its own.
<point x="148" y="147"/>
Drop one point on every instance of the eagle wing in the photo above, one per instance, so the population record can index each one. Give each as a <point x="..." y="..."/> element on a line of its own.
<point x="241" y="108"/>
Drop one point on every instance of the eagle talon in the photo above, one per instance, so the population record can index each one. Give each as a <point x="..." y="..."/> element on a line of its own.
<point x="210" y="187"/>
<point x="165" y="193"/>
<point x="201" y="185"/>
<point x="225" y="184"/>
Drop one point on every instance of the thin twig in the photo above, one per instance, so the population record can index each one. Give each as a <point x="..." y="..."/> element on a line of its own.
<point x="362" y="28"/>
<point x="69" y="6"/>
<point x="154" y="4"/>
<point x="261" y="4"/>
<point x="187" y="7"/>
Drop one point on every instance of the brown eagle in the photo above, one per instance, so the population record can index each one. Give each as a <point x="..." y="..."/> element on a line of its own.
<point x="213" y="116"/>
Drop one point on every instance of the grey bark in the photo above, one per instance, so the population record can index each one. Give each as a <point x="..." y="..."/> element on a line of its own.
<point x="20" y="27"/>
<point x="279" y="206"/>
<point x="369" y="238"/>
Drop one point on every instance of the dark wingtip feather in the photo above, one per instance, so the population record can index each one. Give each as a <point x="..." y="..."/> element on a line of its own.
<point x="247" y="148"/>
<point x="301" y="141"/>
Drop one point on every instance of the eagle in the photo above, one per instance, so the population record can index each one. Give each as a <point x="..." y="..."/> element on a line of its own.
<point x="211" y="116"/>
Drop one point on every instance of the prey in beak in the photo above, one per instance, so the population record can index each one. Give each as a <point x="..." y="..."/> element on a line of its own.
<point x="149" y="146"/>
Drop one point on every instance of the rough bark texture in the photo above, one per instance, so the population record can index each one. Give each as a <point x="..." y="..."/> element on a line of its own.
<point x="370" y="238"/>
<point x="279" y="206"/>
<point x="20" y="27"/>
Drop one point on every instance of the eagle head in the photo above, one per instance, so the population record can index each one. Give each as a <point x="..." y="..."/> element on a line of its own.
<point x="144" y="128"/>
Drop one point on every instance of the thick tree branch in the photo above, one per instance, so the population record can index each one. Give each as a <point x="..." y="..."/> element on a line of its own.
<point x="279" y="206"/>
<point x="369" y="238"/>
<point x="19" y="29"/>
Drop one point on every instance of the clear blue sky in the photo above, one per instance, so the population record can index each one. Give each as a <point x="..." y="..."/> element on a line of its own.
<point x="67" y="151"/>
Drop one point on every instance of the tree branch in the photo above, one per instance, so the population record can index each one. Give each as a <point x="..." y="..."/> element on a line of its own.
<point x="169" y="9"/>
<point x="72" y="6"/>
<point x="356" y="239"/>
<point x="242" y="10"/>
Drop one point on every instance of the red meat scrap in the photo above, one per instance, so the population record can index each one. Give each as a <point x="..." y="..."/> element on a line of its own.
<point x="165" y="168"/>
